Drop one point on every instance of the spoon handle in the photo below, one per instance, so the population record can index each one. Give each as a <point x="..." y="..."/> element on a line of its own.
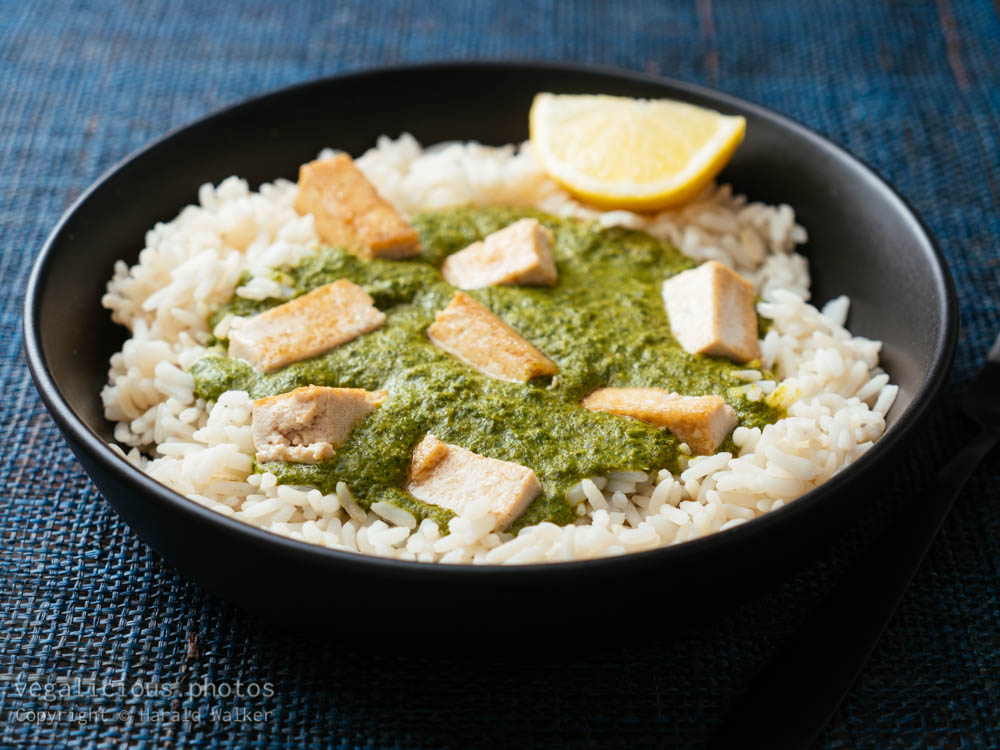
<point x="812" y="670"/>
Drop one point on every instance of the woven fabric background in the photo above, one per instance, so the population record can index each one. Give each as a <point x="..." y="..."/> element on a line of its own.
<point x="87" y="611"/>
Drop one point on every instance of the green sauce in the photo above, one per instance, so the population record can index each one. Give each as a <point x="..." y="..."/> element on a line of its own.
<point x="603" y="324"/>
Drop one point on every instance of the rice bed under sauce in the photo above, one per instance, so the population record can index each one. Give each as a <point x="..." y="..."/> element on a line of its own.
<point x="837" y="395"/>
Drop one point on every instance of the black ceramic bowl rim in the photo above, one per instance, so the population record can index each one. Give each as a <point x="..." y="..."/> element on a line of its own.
<point x="75" y="429"/>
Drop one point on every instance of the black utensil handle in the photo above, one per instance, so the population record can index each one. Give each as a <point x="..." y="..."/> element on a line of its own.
<point x="791" y="699"/>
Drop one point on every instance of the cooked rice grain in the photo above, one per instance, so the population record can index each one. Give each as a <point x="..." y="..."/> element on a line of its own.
<point x="835" y="394"/>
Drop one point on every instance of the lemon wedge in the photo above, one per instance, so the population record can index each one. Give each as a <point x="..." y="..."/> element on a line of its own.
<point x="639" y="154"/>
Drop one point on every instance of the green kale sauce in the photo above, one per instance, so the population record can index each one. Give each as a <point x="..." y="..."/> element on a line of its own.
<point x="604" y="324"/>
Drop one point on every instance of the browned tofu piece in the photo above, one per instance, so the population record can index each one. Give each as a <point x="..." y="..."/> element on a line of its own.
<point x="711" y="311"/>
<point x="518" y="254"/>
<point x="326" y="317"/>
<point x="451" y="477"/>
<point x="308" y="424"/>
<point x="473" y="334"/>
<point x="349" y="212"/>
<point x="702" y="422"/>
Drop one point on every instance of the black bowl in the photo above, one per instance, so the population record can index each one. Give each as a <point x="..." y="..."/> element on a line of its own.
<point x="864" y="241"/>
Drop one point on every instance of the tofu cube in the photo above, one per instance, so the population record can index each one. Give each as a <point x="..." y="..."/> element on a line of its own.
<point x="451" y="477"/>
<point x="467" y="330"/>
<point x="307" y="425"/>
<point x="518" y="254"/>
<point x="349" y="212"/>
<point x="314" y="323"/>
<point x="711" y="311"/>
<point x="702" y="422"/>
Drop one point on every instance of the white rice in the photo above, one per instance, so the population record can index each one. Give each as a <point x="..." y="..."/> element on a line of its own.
<point x="836" y="394"/>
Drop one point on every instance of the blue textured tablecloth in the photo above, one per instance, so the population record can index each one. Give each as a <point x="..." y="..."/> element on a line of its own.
<point x="87" y="611"/>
